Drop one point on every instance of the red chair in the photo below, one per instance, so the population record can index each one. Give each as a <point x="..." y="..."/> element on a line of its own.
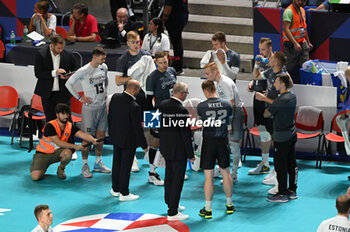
<point x="34" y="112"/>
<point x="61" y="31"/>
<point x="9" y="101"/>
<point x="2" y="50"/>
<point x="332" y="137"/>
<point x="76" y="107"/>
<point x="306" y="131"/>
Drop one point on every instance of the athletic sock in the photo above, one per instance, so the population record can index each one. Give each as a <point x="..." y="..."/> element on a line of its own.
<point x="84" y="161"/>
<point x="98" y="159"/>
<point x="208" y="205"/>
<point x="152" y="168"/>
<point x="229" y="200"/>
<point x="152" y="154"/>
<point x="265" y="159"/>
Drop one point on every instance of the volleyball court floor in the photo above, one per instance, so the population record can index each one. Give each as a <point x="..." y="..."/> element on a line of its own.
<point x="80" y="204"/>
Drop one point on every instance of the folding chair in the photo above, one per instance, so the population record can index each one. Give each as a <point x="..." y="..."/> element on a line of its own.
<point x="332" y="136"/>
<point x="309" y="123"/>
<point x="9" y="101"/>
<point x="35" y="112"/>
<point x="245" y="138"/>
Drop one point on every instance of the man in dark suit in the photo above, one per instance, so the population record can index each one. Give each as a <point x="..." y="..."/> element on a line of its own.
<point x="51" y="65"/>
<point x="176" y="147"/>
<point x="119" y="28"/>
<point x="126" y="134"/>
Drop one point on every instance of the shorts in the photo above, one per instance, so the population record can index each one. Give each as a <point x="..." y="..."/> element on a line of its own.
<point x="215" y="149"/>
<point x="94" y="119"/>
<point x="41" y="161"/>
<point x="237" y="123"/>
<point x="261" y="120"/>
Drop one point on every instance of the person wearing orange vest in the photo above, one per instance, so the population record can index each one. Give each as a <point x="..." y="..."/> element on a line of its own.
<point x="57" y="144"/>
<point x="296" y="42"/>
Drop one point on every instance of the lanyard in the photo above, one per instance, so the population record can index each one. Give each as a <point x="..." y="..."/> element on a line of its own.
<point x="80" y="29"/>
<point x="300" y="14"/>
<point x="150" y="42"/>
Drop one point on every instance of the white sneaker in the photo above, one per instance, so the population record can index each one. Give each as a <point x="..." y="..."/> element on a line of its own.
<point x="271" y="181"/>
<point x="240" y="163"/>
<point x="178" y="217"/>
<point x="135" y="166"/>
<point x="260" y="169"/>
<point x="273" y="190"/>
<point x="154" y="178"/>
<point x="271" y="174"/>
<point x="181" y="208"/>
<point x="130" y="197"/>
<point x="114" y="194"/>
<point x="216" y="171"/>
<point x="185" y="177"/>
<point x="86" y="171"/>
<point x="74" y="156"/>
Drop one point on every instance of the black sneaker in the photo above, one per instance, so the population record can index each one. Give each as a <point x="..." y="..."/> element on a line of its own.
<point x="205" y="213"/>
<point x="291" y="195"/>
<point x="155" y="179"/>
<point x="230" y="209"/>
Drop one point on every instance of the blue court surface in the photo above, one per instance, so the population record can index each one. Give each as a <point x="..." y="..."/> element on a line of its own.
<point x="75" y="199"/>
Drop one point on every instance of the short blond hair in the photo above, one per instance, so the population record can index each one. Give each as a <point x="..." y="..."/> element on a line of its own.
<point x="212" y="66"/>
<point x="132" y="35"/>
<point x="347" y="71"/>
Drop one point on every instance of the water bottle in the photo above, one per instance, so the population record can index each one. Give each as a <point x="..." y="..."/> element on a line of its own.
<point x="262" y="59"/>
<point x="25" y="33"/>
<point x="13" y="38"/>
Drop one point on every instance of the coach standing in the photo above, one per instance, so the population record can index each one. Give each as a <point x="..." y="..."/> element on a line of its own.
<point x="126" y="134"/>
<point x="284" y="137"/>
<point x="51" y="63"/>
<point x="176" y="147"/>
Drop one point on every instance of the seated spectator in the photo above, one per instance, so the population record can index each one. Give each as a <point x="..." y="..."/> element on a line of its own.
<point x="44" y="216"/>
<point x="341" y="221"/>
<point x="82" y="26"/>
<point x="156" y="40"/>
<point x="120" y="27"/>
<point x="227" y="60"/>
<point x="42" y="22"/>
<point x="323" y="6"/>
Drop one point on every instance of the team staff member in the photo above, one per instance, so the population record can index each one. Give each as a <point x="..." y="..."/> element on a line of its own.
<point x="276" y="63"/>
<point x="156" y="40"/>
<point x="296" y="42"/>
<point x="126" y="134"/>
<point x="94" y="81"/>
<point x="44" y="216"/>
<point x="284" y="137"/>
<point x="42" y="22"/>
<point x="228" y="90"/>
<point x="175" y="18"/>
<point x="51" y="63"/>
<point x="176" y="148"/>
<point x="159" y="85"/>
<point x="57" y="144"/>
<point x="82" y="25"/>
<point x="341" y="221"/>
<point x="215" y="146"/>
<point x="119" y="28"/>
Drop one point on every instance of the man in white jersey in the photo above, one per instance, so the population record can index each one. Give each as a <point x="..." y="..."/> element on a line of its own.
<point x="341" y="221"/>
<point x="94" y="81"/>
<point x="228" y="90"/>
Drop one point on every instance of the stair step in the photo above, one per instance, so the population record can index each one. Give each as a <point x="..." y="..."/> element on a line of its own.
<point x="202" y="42"/>
<point x="232" y="8"/>
<point x="212" y="24"/>
<point x="193" y="58"/>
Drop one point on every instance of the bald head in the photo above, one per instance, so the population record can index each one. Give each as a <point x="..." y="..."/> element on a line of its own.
<point x="133" y="87"/>
<point x="122" y="15"/>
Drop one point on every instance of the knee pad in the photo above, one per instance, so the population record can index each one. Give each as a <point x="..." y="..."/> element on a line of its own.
<point x="264" y="134"/>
